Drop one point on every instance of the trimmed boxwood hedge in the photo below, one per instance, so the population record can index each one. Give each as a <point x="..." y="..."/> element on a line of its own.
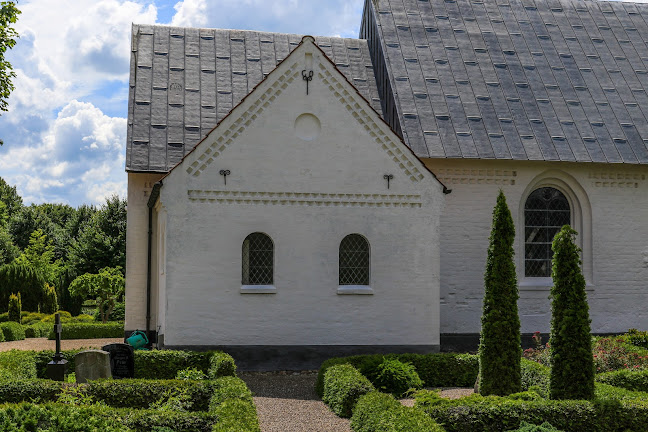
<point x="436" y="370"/>
<point x="380" y="412"/>
<point x="627" y="379"/>
<point x="17" y="364"/>
<point x="165" y="364"/>
<point x="343" y="386"/>
<point x="37" y="330"/>
<point x="89" y="330"/>
<point x="12" y="331"/>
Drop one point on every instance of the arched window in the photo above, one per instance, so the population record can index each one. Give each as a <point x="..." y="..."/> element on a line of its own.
<point x="354" y="260"/>
<point x="258" y="259"/>
<point x="546" y="210"/>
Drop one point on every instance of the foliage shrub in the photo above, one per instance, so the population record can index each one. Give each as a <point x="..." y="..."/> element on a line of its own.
<point x="50" y="300"/>
<point x="228" y="387"/>
<point x="396" y="377"/>
<point x="637" y="338"/>
<point x="37" y="330"/>
<point x="627" y="379"/>
<point x="191" y="374"/>
<point x="572" y="363"/>
<point x="138" y="393"/>
<point x="90" y="331"/>
<point x="165" y="364"/>
<point x="435" y="370"/>
<point x="118" y="313"/>
<point x="232" y="403"/>
<point x="23" y="279"/>
<point x="614" y="353"/>
<point x="56" y="418"/>
<point x="14" y="308"/>
<point x="343" y="386"/>
<point x="221" y="364"/>
<point x="41" y="358"/>
<point x="380" y="412"/>
<point x="51" y="318"/>
<point x="32" y="317"/>
<point x="29" y="390"/>
<point x="500" y="343"/>
<point x="12" y="331"/>
<point x="535" y="376"/>
<point x="17" y="365"/>
<point x="528" y="427"/>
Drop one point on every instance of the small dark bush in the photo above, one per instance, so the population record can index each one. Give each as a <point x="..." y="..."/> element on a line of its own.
<point x="343" y="386"/>
<point x="15" y="307"/>
<point x="12" y="331"/>
<point x="396" y="377"/>
<point x="221" y="364"/>
<point x="90" y="331"/>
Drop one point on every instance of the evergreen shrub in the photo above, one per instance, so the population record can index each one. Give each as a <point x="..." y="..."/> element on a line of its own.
<point x="23" y="279"/>
<point x="500" y="343"/>
<point x="37" y="330"/>
<point x="572" y="362"/>
<point x="57" y="418"/>
<point x="638" y="338"/>
<point x="29" y="390"/>
<point x="190" y="374"/>
<point x="528" y="427"/>
<point x="165" y="364"/>
<point x="535" y="376"/>
<point x="235" y="415"/>
<point x="17" y="365"/>
<point x="221" y="364"/>
<point x="380" y="412"/>
<point x="50" y="302"/>
<point x="89" y="331"/>
<point x="31" y="317"/>
<point x="343" y="386"/>
<point x="627" y="379"/>
<point x="229" y="387"/>
<point x="14" y="308"/>
<point x="12" y="331"/>
<point x="395" y="377"/>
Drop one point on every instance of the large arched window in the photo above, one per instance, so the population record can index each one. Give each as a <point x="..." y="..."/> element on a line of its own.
<point x="258" y="259"/>
<point x="354" y="260"/>
<point x="546" y="210"/>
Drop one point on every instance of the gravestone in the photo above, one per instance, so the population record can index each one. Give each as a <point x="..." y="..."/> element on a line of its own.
<point x="92" y="365"/>
<point x="122" y="360"/>
<point x="58" y="366"/>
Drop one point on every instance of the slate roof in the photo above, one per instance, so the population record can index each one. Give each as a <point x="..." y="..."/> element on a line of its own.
<point x="555" y="80"/>
<point x="183" y="81"/>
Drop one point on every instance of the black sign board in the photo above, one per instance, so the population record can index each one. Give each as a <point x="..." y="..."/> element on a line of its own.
<point x="122" y="360"/>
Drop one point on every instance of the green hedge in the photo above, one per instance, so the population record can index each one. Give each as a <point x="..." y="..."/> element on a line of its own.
<point x="37" y="330"/>
<point x="535" y="376"/>
<point x="16" y="364"/>
<point x="12" y="331"/>
<point x="56" y="418"/>
<point x="613" y="410"/>
<point x="90" y="331"/>
<point x="140" y="393"/>
<point x="343" y="386"/>
<point x="29" y="390"/>
<point x="232" y="404"/>
<point x="380" y="412"/>
<point x="627" y="379"/>
<point x="221" y="364"/>
<point x="165" y="364"/>
<point x="436" y="370"/>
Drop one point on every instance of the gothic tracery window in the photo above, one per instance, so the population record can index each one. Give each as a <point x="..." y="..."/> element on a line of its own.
<point x="354" y="260"/>
<point x="258" y="260"/>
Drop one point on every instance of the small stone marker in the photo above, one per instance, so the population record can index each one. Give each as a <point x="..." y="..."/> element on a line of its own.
<point x="58" y="366"/>
<point x="92" y="365"/>
<point x="122" y="360"/>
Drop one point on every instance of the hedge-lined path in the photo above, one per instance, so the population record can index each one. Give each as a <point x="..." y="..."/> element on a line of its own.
<point x="38" y="344"/>
<point x="287" y="402"/>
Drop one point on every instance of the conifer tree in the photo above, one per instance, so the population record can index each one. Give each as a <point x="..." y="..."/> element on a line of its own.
<point x="50" y="303"/>
<point x="500" y="346"/>
<point x="15" y="308"/>
<point x="572" y="363"/>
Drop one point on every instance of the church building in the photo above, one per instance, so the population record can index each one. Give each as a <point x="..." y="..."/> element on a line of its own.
<point x="304" y="197"/>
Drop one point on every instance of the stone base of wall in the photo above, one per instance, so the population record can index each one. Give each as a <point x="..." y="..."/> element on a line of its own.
<point x="299" y="357"/>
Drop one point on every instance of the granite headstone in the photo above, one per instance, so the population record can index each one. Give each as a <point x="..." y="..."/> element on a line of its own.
<point x="122" y="360"/>
<point x="92" y="365"/>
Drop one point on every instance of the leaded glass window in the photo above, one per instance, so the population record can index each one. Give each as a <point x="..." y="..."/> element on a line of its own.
<point x="546" y="210"/>
<point x="354" y="260"/>
<point x="258" y="260"/>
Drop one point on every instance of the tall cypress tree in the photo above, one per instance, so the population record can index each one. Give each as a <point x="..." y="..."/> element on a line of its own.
<point x="500" y="346"/>
<point x="572" y="363"/>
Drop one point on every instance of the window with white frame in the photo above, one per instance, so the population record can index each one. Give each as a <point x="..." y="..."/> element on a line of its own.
<point x="354" y="260"/>
<point x="546" y="210"/>
<point x="258" y="259"/>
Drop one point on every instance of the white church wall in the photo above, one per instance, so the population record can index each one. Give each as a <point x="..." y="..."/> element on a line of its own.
<point x="612" y="216"/>
<point x="305" y="171"/>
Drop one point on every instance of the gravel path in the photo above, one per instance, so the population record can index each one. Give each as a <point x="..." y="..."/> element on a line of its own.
<point x="38" y="344"/>
<point x="287" y="402"/>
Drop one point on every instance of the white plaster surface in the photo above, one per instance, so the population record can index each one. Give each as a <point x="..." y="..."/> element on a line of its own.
<point x="307" y="195"/>
<point x="612" y="218"/>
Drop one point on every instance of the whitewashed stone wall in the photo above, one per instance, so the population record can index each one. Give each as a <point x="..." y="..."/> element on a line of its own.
<point x="611" y="214"/>
<point x="307" y="170"/>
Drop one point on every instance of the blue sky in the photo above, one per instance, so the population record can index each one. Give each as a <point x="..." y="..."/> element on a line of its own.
<point x="65" y="131"/>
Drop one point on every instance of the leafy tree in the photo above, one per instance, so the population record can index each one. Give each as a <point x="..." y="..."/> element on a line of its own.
<point x="500" y="346"/>
<point x="26" y="221"/>
<point x="102" y="241"/>
<point x="19" y="278"/>
<point x="572" y="363"/>
<point x="8" y="251"/>
<point x="107" y="286"/>
<point x="40" y="256"/>
<point x="8" y="35"/>
<point x="9" y="196"/>
<point x="15" y="308"/>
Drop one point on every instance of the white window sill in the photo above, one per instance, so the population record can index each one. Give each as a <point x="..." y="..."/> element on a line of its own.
<point x="543" y="284"/>
<point x="258" y="289"/>
<point x="354" y="290"/>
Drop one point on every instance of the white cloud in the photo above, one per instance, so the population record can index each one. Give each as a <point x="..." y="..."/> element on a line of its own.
<point x="190" y="13"/>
